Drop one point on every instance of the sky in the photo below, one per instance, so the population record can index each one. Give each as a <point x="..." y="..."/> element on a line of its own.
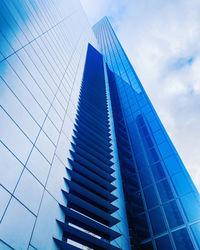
<point x="162" y="41"/>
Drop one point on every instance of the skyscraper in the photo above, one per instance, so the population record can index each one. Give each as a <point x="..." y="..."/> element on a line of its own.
<point x="84" y="160"/>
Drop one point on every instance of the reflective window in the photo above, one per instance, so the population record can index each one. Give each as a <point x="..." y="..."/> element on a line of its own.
<point x="12" y="226"/>
<point x="165" y="149"/>
<point x="172" y="165"/>
<point x="15" y="109"/>
<point x="182" y="240"/>
<point x="10" y="167"/>
<point x="56" y="181"/>
<point x="157" y="221"/>
<point x="55" y="118"/>
<point x="196" y="232"/>
<point x="45" y="225"/>
<point x="164" y="190"/>
<point x="149" y="142"/>
<point x="163" y="243"/>
<point x="38" y="165"/>
<point x="5" y="47"/>
<point x="42" y="143"/>
<point x="51" y="131"/>
<point x="153" y="124"/>
<point x="191" y="205"/>
<point x="157" y="170"/>
<point x="145" y="177"/>
<point x="150" y="117"/>
<point x="181" y="184"/>
<point x="150" y="197"/>
<point x="152" y="155"/>
<point x="11" y="135"/>
<point x="173" y="214"/>
<point x="159" y="136"/>
<point x="29" y="191"/>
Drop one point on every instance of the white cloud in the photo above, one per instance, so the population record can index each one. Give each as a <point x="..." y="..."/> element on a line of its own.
<point x="161" y="38"/>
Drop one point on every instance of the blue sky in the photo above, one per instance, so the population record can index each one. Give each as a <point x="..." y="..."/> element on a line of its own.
<point x="161" y="39"/>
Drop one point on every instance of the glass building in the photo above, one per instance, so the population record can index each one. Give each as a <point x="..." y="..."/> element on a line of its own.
<point x="85" y="162"/>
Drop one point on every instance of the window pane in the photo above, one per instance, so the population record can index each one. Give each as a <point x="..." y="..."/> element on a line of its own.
<point x="181" y="184"/>
<point x="150" y="196"/>
<point x="173" y="214"/>
<point x="145" y="177"/>
<point x="164" y="191"/>
<point x="157" y="221"/>
<point x="157" y="171"/>
<point x="191" y="206"/>
<point x="163" y="243"/>
<point x="196" y="232"/>
<point x="172" y="165"/>
<point x="182" y="240"/>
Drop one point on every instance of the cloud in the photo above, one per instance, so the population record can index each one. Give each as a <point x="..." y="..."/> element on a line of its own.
<point x="161" y="39"/>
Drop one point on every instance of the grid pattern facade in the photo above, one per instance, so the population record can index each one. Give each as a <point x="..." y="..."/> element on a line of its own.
<point x="42" y="56"/>
<point x="89" y="195"/>
<point x="84" y="160"/>
<point x="171" y="206"/>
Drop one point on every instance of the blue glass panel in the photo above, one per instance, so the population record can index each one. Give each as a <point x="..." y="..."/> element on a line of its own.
<point x="196" y="232"/>
<point x="149" y="142"/>
<point x="11" y="169"/>
<point x="173" y="214"/>
<point x="145" y="177"/>
<point x="182" y="240"/>
<point x="32" y="195"/>
<point x="181" y="184"/>
<point x="164" y="190"/>
<point x="145" y="131"/>
<point x="157" y="221"/>
<point x="150" y="196"/>
<point x="157" y="171"/>
<point x="145" y="107"/>
<point x="192" y="212"/>
<point x="152" y="156"/>
<point x="5" y="47"/>
<point x="154" y="124"/>
<point x="172" y="165"/>
<point x="165" y="149"/>
<point x="16" y="230"/>
<point x="163" y="243"/>
<point x="159" y="136"/>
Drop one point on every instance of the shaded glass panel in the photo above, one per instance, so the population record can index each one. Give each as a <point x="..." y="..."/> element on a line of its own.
<point x="157" y="221"/>
<point x="165" y="149"/>
<point x="196" y="232"/>
<point x="157" y="171"/>
<point x="192" y="212"/>
<point x="164" y="191"/>
<point x="159" y="136"/>
<point x="151" y="198"/>
<point x="145" y="177"/>
<point x="182" y="240"/>
<point x="152" y="156"/>
<point x="163" y="243"/>
<point x="172" y="165"/>
<point x="181" y="184"/>
<point x="173" y="214"/>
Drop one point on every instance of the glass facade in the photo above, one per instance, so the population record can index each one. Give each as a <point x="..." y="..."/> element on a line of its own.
<point x="162" y="202"/>
<point x="85" y="162"/>
<point x="42" y="57"/>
